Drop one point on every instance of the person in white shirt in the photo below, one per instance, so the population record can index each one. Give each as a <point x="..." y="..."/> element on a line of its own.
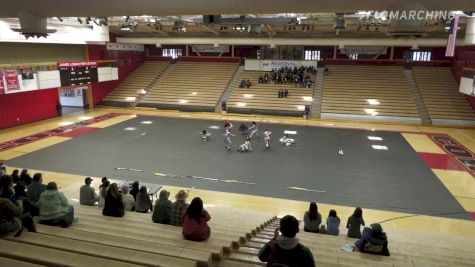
<point x="227" y="139"/>
<point x="267" y="135"/>
<point x="246" y="146"/>
<point x="286" y="140"/>
<point x="205" y="135"/>
<point x="128" y="199"/>
<point x="254" y="130"/>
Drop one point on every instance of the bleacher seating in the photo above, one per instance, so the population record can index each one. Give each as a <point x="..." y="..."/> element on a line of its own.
<point x="367" y="90"/>
<point x="191" y="86"/>
<point x="133" y="240"/>
<point x="136" y="82"/>
<point x="439" y="91"/>
<point x="327" y="251"/>
<point x="262" y="98"/>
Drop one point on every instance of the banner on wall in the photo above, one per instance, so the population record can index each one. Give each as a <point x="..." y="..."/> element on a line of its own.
<point x="12" y="82"/>
<point x="268" y="65"/>
<point x="2" y="87"/>
<point x="27" y="74"/>
<point x="467" y="82"/>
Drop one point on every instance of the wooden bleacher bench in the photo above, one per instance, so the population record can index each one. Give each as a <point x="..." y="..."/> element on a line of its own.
<point x="439" y="91"/>
<point x="191" y="84"/>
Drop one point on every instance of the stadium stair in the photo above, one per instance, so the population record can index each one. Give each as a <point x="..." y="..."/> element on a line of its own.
<point x="155" y="81"/>
<point x="134" y="85"/>
<point x="233" y="83"/>
<point x="316" y="110"/>
<point x="416" y="94"/>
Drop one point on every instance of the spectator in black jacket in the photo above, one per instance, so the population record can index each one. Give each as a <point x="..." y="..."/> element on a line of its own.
<point x="113" y="206"/>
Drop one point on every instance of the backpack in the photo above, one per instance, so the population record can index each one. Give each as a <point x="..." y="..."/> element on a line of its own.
<point x="280" y="257"/>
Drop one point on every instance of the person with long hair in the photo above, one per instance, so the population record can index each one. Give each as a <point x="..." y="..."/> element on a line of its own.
<point x="246" y="146"/>
<point x="267" y="135"/>
<point x="227" y="139"/>
<point x="6" y="187"/>
<point x="113" y="206"/>
<point x="142" y="201"/>
<point x="195" y="221"/>
<point x="25" y="177"/>
<point x="135" y="189"/>
<point x="254" y="130"/>
<point x="373" y="241"/>
<point x="312" y="219"/>
<point x="16" y="176"/>
<point x="162" y="212"/>
<point x="354" y="223"/>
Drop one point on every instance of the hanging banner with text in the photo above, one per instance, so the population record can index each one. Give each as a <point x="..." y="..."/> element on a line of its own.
<point x="12" y="82"/>
<point x="268" y="65"/>
<point x="2" y="87"/>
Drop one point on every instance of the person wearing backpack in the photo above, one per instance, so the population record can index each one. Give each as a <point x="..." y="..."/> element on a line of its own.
<point x="373" y="241"/>
<point x="284" y="250"/>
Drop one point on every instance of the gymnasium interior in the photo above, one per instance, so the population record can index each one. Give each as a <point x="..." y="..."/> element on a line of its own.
<point x="348" y="104"/>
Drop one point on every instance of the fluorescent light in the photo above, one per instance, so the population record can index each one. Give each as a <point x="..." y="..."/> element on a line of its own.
<point x="130" y="98"/>
<point x="307" y="98"/>
<point x="240" y="104"/>
<point x="376" y="147"/>
<point x="375" y="138"/>
<point x="373" y="101"/>
<point x="84" y="118"/>
<point x="183" y="101"/>
<point x="371" y="111"/>
<point x="248" y="95"/>
<point x="65" y="123"/>
<point x="290" y="132"/>
<point x="130" y="129"/>
<point x="146" y="122"/>
<point x="300" y="107"/>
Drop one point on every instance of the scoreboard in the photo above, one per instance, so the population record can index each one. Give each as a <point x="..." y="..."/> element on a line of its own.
<point x="78" y="73"/>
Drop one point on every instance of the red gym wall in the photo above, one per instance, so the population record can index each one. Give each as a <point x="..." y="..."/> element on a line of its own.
<point x="21" y="108"/>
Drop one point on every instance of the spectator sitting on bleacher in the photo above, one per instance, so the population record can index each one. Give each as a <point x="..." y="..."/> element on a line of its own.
<point x="195" y="221"/>
<point x="162" y="212"/>
<point x="128" y="199"/>
<point x="25" y="177"/>
<point x="103" y="192"/>
<point x="36" y="188"/>
<point x="9" y="216"/>
<point x="333" y="223"/>
<point x="135" y="189"/>
<point x="373" y="241"/>
<point x="354" y="223"/>
<point x="142" y="201"/>
<point x="285" y="249"/>
<point x="243" y="84"/>
<point x="286" y="93"/>
<point x="3" y="169"/>
<point x="312" y="219"/>
<point x="54" y="207"/>
<point x="20" y="194"/>
<point x="6" y="187"/>
<point x="113" y="206"/>
<point x="281" y="93"/>
<point x="179" y="207"/>
<point x="87" y="194"/>
<point x="15" y="176"/>
<point x="248" y="83"/>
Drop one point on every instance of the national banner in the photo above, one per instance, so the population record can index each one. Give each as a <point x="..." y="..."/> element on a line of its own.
<point x="12" y="82"/>
<point x="2" y="87"/>
<point x="454" y="24"/>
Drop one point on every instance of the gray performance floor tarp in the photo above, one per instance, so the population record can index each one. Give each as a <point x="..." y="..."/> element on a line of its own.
<point x="395" y="179"/>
